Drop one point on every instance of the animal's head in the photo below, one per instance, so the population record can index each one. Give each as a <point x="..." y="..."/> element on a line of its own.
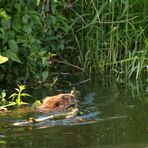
<point x="69" y="99"/>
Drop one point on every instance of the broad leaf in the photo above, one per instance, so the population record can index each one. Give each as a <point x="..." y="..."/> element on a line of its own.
<point x="25" y="19"/>
<point x="44" y="75"/>
<point x="13" y="45"/>
<point x="27" y="28"/>
<point x="13" y="56"/>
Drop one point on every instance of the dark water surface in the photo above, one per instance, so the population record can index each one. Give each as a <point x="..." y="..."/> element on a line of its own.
<point x="111" y="116"/>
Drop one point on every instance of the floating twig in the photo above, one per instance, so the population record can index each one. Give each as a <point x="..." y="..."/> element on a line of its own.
<point x="71" y="114"/>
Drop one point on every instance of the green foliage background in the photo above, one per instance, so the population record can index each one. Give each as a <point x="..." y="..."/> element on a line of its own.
<point x="95" y="35"/>
<point x="29" y="34"/>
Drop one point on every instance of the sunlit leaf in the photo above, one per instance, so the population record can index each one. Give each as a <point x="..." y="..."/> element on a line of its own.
<point x="17" y="89"/>
<point x="25" y="95"/>
<point x="3" y="14"/>
<point x="21" y="87"/>
<point x="3" y="94"/>
<point x="3" y="59"/>
<point x="13" y="95"/>
<point x="37" y="2"/>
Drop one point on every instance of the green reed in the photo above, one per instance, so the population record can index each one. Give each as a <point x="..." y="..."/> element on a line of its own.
<point x="111" y="36"/>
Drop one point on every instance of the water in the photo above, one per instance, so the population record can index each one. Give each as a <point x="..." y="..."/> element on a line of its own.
<point x="111" y="116"/>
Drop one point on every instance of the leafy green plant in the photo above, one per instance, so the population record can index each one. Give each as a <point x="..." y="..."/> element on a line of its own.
<point x="3" y="98"/>
<point x="29" y="33"/>
<point x="17" y="97"/>
<point x="96" y="36"/>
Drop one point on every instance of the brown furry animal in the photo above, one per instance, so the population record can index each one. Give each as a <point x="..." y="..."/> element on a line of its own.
<point x="58" y="102"/>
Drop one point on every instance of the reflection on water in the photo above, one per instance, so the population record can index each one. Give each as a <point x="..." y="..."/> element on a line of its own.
<point x="110" y="117"/>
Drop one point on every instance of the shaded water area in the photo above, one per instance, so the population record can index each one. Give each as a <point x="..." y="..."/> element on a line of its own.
<point x="111" y="116"/>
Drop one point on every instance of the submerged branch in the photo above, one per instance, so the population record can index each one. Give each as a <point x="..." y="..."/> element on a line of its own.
<point x="71" y="114"/>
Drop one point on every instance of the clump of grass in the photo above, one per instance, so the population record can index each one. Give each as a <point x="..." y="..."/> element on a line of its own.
<point x="111" y="36"/>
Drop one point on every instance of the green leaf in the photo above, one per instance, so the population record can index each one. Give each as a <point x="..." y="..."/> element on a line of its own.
<point x="13" y="45"/>
<point x="17" y="89"/>
<point x="21" y="87"/>
<point x="4" y="14"/>
<point x="37" y="2"/>
<point x="3" y="34"/>
<point x="21" y="39"/>
<point x="13" y="95"/>
<point x="13" y="56"/>
<point x="44" y="75"/>
<point x="3" y="94"/>
<point x="25" y="95"/>
<point x="25" y="19"/>
<point x="17" y="27"/>
<point x="17" y="6"/>
<point x="27" y="28"/>
<point x="36" y="19"/>
<point x="11" y="34"/>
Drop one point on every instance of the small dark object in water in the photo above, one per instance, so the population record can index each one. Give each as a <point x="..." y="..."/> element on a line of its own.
<point x="59" y="102"/>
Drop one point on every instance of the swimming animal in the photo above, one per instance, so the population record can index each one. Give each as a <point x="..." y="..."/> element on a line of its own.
<point x="59" y="102"/>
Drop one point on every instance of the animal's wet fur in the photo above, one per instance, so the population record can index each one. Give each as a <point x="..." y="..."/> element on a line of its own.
<point x="58" y="102"/>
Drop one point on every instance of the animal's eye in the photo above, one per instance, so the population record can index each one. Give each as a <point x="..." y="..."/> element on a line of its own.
<point x="57" y="104"/>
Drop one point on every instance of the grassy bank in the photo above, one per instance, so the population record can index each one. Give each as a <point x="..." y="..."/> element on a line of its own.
<point x="111" y="36"/>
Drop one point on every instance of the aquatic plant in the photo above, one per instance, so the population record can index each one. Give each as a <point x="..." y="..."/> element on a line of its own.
<point x="3" y="98"/>
<point x="17" y="97"/>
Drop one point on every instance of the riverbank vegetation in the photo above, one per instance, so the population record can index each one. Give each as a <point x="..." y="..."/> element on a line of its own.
<point x="111" y="36"/>
<point x="39" y="37"/>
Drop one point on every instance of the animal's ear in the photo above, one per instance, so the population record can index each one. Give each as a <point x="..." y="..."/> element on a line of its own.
<point x="67" y="97"/>
<point x="64" y="97"/>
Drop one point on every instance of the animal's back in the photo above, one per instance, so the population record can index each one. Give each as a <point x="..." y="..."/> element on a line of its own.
<point x="58" y="102"/>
